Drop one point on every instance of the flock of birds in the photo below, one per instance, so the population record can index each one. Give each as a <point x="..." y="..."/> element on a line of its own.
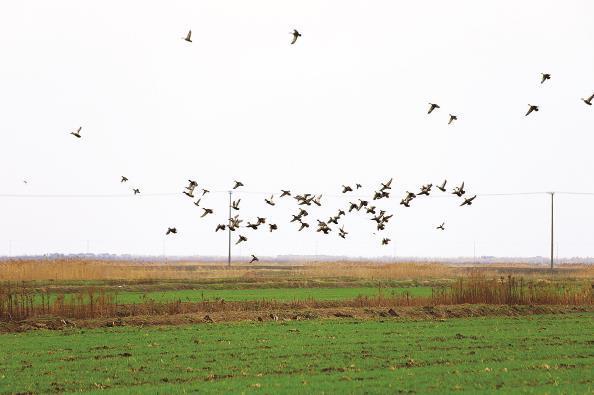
<point x="304" y="200"/>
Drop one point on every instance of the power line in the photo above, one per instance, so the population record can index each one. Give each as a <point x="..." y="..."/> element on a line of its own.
<point x="171" y="194"/>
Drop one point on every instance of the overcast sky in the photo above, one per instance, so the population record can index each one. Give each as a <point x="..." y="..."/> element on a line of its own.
<point x="347" y="103"/>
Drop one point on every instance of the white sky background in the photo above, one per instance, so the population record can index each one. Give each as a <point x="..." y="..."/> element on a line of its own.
<point x="346" y="104"/>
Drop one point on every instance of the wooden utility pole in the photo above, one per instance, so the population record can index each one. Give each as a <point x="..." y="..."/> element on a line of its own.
<point x="229" y="229"/>
<point x="552" y="226"/>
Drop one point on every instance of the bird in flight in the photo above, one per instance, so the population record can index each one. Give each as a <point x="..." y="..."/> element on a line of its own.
<point x="531" y="109"/>
<point x="385" y="241"/>
<point x="270" y="201"/>
<point x="235" y="204"/>
<point x="272" y="227"/>
<point x="303" y="225"/>
<point x="124" y="179"/>
<point x="206" y="212"/>
<point x="296" y="35"/>
<point x="342" y="233"/>
<point x="77" y="133"/>
<point x="442" y="186"/>
<point x="241" y="239"/>
<point x="358" y="186"/>
<point x="468" y="201"/>
<point x="452" y="119"/>
<point x="432" y="106"/>
<point x="170" y="231"/>
<point x="188" y="37"/>
<point x="220" y="227"/>
<point x="254" y="259"/>
<point x="588" y="101"/>
<point x="442" y="226"/>
<point x="136" y="191"/>
<point x="197" y="203"/>
<point x="459" y="191"/>
<point x="205" y="191"/>
<point x="253" y="226"/>
<point x="346" y="188"/>
<point x="545" y="76"/>
<point x="285" y="193"/>
<point x="237" y="184"/>
<point x="387" y="185"/>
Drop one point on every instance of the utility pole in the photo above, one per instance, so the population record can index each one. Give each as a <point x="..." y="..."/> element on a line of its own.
<point x="229" y="229"/>
<point x="552" y="226"/>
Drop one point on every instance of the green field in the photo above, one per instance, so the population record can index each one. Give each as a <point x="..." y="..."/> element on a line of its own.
<point x="539" y="354"/>
<point x="278" y="294"/>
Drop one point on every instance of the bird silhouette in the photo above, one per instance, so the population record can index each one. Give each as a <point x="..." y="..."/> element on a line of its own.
<point x="442" y="226"/>
<point x="237" y="184"/>
<point x="468" y="201"/>
<point x="170" y="231"/>
<point x="370" y="210"/>
<point x="197" y="203"/>
<point x="342" y="233"/>
<point x="241" y="239"/>
<point x="253" y="226"/>
<point x="387" y="185"/>
<point x="303" y="213"/>
<point x="346" y="188"/>
<point x="261" y="220"/>
<point x="188" y="37"/>
<point x="588" y="101"/>
<point x="254" y="259"/>
<point x="353" y="206"/>
<point x="235" y="204"/>
<point x="531" y="109"/>
<point x="285" y="193"/>
<point x="385" y="241"/>
<point x="296" y="35"/>
<point x="358" y="186"/>
<point x="77" y="133"/>
<point x="136" y="191"/>
<point x="270" y="201"/>
<point x="442" y="186"/>
<point x="272" y="227"/>
<point x="220" y="227"/>
<point x="425" y="190"/>
<point x="459" y="191"/>
<point x="432" y="106"/>
<point x="341" y="212"/>
<point x="124" y="179"/>
<point x="317" y="200"/>
<point x="452" y="119"/>
<point x="205" y="191"/>
<point x="405" y="202"/>
<point x="333" y="220"/>
<point x="206" y="212"/>
<point x="545" y="76"/>
<point x="303" y="225"/>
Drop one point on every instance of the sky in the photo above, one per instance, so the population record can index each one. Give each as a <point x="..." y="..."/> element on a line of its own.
<point x="346" y="104"/>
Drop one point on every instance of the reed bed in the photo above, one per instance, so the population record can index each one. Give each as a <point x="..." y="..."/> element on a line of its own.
<point x="19" y="302"/>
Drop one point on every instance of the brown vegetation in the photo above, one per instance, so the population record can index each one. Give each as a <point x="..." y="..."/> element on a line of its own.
<point x="21" y="302"/>
<point x="68" y="270"/>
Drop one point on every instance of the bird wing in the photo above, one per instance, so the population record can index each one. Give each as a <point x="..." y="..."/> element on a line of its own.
<point x="591" y="97"/>
<point x="189" y="36"/>
<point x="294" y="38"/>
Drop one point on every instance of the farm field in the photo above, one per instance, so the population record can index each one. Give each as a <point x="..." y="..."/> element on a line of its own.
<point x="277" y="294"/>
<point x="535" y="354"/>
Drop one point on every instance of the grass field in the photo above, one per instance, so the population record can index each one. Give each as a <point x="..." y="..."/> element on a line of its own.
<point x="539" y="354"/>
<point x="278" y="294"/>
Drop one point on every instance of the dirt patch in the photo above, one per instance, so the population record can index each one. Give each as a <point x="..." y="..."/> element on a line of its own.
<point x="283" y="315"/>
